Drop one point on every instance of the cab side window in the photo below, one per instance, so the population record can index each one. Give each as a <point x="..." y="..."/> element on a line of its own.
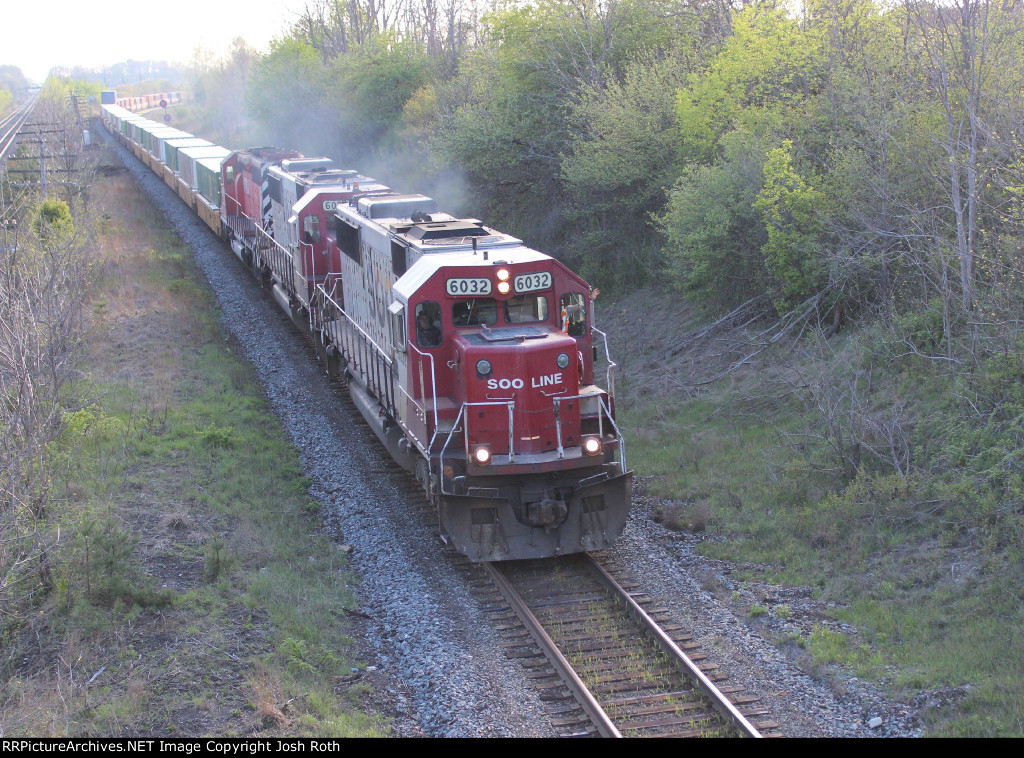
<point x="428" y="324"/>
<point x="573" y="318"/>
<point x="311" y="229"/>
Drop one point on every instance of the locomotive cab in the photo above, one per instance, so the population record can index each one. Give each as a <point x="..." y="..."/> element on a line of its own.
<point x="521" y="447"/>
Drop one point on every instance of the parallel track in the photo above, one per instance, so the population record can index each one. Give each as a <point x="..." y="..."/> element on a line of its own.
<point x="11" y="124"/>
<point x="628" y="674"/>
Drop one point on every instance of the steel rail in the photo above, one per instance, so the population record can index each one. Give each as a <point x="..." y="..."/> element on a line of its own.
<point x="586" y="699"/>
<point x="16" y="120"/>
<point x="721" y="703"/>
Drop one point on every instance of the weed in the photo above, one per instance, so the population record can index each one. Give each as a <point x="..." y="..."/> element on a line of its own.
<point x="216" y="437"/>
<point x="218" y="560"/>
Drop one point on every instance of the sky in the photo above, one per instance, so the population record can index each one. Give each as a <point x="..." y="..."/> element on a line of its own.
<point x="41" y="34"/>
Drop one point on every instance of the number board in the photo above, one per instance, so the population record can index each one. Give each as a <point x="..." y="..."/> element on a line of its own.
<point x="458" y="287"/>
<point x="332" y="205"/>
<point x="532" y="282"/>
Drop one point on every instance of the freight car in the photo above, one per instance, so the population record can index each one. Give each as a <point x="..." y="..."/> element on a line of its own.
<point x="472" y="357"/>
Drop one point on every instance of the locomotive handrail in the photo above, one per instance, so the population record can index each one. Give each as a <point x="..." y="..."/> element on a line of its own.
<point x="379" y="373"/>
<point x="433" y="386"/>
<point x="511" y="404"/>
<point x="556" y="406"/>
<point x="600" y="423"/>
<point x="298" y="274"/>
<point x="279" y="258"/>
<point x="612" y="365"/>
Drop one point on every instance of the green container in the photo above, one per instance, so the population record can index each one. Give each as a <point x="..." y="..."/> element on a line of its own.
<point x="159" y="139"/>
<point x="208" y="178"/>
<point x="135" y="127"/>
<point x="127" y="122"/>
<point x="152" y="130"/>
<point x="172" y="146"/>
<point x="188" y="161"/>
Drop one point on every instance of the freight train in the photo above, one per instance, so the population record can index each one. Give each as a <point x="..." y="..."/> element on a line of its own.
<point x="472" y="357"/>
<point x="141" y="102"/>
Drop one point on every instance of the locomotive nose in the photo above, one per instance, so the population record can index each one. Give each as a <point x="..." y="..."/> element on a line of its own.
<point x="542" y="363"/>
<point x="521" y="390"/>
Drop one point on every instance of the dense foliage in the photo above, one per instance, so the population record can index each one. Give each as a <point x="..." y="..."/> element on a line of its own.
<point x="852" y="154"/>
<point x="13" y="88"/>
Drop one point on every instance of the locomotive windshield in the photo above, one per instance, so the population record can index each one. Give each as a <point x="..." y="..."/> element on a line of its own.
<point x="524" y="309"/>
<point x="483" y="311"/>
<point x="476" y="311"/>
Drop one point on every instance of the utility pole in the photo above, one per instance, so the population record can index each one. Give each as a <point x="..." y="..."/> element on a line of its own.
<point x="42" y="167"/>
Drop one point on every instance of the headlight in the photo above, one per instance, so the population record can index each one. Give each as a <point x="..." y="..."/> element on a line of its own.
<point x="591" y="445"/>
<point x="502" y="274"/>
<point x="482" y="455"/>
<point x="483" y="367"/>
<point x="504" y="287"/>
<point x="563" y="360"/>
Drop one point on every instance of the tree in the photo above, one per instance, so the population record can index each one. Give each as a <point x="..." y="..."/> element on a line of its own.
<point x="287" y="80"/>
<point x="622" y="159"/>
<point x="714" y="237"/>
<point x="225" y="86"/>
<point x="791" y="209"/>
<point x="966" y="54"/>
<point x="761" y="80"/>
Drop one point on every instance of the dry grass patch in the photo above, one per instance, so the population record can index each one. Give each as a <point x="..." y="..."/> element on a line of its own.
<point x="267" y="697"/>
<point x="178" y="519"/>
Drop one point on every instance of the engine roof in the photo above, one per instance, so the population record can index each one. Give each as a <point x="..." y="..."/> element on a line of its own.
<point x="423" y="269"/>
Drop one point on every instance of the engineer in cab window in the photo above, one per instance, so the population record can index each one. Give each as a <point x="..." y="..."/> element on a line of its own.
<point x="427" y="333"/>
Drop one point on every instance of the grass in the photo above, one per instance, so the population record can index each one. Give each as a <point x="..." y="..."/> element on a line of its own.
<point x="196" y="591"/>
<point x="927" y="566"/>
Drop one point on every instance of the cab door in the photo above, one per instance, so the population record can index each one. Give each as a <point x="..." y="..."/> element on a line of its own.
<point x="400" y="361"/>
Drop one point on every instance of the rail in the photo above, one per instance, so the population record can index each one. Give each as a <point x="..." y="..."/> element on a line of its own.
<point x="11" y="125"/>
<point x="583" y="695"/>
<point x="572" y="616"/>
<point x="720" y="702"/>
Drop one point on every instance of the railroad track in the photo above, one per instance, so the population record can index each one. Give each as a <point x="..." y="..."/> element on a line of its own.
<point x="10" y="126"/>
<point x="605" y="664"/>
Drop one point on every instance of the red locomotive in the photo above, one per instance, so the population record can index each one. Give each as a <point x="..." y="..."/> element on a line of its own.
<point x="471" y="356"/>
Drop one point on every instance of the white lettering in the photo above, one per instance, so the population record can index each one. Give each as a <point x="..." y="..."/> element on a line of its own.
<point x="505" y="384"/>
<point x="546" y="381"/>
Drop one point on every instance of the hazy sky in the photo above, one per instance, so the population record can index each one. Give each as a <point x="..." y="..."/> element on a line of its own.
<point x="40" y="34"/>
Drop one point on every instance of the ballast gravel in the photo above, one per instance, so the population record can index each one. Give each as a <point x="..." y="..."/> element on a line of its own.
<point x="436" y="658"/>
<point x="746" y="650"/>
